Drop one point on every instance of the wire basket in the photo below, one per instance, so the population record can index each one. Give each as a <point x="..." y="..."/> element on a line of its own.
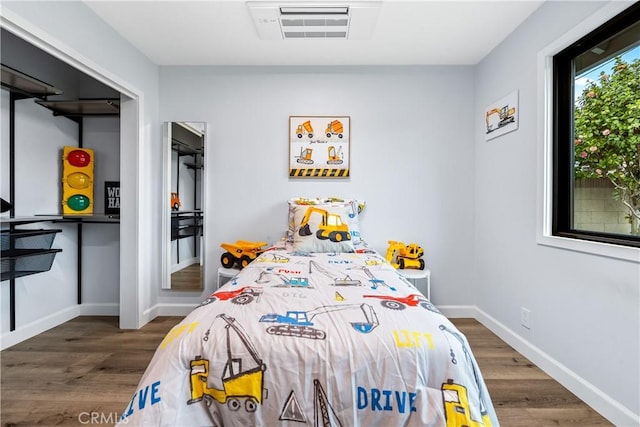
<point x="27" y="239"/>
<point x="23" y="262"/>
<point x="26" y="252"/>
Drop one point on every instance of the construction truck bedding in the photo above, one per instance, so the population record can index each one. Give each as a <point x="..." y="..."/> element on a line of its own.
<point x="323" y="339"/>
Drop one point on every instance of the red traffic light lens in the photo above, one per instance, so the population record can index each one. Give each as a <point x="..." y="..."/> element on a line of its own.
<point x="79" y="158"/>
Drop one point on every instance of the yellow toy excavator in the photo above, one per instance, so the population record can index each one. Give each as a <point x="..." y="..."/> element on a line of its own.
<point x="331" y="227"/>
<point x="404" y="256"/>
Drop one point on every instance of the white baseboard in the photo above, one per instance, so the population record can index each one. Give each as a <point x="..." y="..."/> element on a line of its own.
<point x="458" y="311"/>
<point x="587" y="392"/>
<point x="22" y="333"/>
<point x="184" y="264"/>
<point x="172" y="309"/>
<point x="103" y="309"/>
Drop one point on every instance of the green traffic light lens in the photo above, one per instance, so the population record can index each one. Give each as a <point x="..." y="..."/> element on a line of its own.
<point x="78" y="202"/>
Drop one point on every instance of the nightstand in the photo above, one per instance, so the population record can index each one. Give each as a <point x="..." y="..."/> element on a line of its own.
<point x="226" y="273"/>
<point x="414" y="276"/>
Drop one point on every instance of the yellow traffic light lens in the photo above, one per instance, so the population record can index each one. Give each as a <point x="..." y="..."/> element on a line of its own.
<point x="78" y="202"/>
<point x="78" y="180"/>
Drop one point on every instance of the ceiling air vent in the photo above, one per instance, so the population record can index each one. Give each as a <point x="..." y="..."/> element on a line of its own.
<point x="276" y="21"/>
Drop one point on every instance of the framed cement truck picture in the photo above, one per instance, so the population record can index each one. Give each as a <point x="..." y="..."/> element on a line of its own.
<point x="319" y="146"/>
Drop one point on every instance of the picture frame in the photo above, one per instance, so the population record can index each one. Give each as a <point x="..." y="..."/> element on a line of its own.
<point x="319" y="146"/>
<point x="502" y="116"/>
<point x="112" y="197"/>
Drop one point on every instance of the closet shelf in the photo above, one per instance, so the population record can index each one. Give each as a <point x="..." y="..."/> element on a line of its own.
<point x="83" y="107"/>
<point x="26" y="85"/>
<point x="85" y="218"/>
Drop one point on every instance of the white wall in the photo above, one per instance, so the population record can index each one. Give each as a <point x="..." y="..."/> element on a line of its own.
<point x="412" y="156"/>
<point x="584" y="308"/>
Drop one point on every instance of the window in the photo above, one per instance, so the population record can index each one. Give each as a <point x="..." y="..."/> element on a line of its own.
<point x="596" y="134"/>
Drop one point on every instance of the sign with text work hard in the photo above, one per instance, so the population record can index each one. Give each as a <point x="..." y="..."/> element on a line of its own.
<point x="112" y="197"/>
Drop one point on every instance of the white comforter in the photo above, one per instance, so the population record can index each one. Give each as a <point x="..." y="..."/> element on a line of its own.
<point x="322" y="339"/>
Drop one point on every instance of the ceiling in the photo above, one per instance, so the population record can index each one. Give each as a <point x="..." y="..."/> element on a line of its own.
<point x="219" y="32"/>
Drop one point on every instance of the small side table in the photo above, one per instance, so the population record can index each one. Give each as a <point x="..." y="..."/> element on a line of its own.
<point x="414" y="275"/>
<point x="226" y="273"/>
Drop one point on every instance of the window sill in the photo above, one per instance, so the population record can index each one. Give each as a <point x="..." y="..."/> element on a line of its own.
<point x="625" y="253"/>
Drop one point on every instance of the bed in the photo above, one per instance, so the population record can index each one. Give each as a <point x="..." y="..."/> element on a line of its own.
<point x="325" y="336"/>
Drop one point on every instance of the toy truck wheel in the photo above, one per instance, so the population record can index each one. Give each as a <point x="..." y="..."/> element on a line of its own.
<point x="339" y="135"/>
<point x="421" y="264"/>
<point x="176" y="206"/>
<point x="227" y="260"/>
<point x="310" y="135"/>
<point x="244" y="261"/>
<point x="299" y="135"/>
<point x="401" y="264"/>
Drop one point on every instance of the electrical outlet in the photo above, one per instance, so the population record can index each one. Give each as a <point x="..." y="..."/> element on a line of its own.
<point x="525" y="317"/>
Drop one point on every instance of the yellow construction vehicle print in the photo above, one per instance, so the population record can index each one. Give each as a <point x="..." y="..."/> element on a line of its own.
<point x="334" y="157"/>
<point x="305" y="156"/>
<point x="331" y="226"/>
<point x="304" y="128"/>
<point x="456" y="407"/>
<point x="499" y="117"/>
<point x="334" y="128"/>
<point x="242" y="378"/>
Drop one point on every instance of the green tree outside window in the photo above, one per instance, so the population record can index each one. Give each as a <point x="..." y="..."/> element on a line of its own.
<point x="607" y="134"/>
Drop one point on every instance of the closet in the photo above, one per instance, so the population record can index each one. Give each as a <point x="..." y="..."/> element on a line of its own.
<point x="53" y="261"/>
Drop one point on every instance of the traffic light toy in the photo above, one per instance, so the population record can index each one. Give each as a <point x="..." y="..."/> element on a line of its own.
<point x="77" y="180"/>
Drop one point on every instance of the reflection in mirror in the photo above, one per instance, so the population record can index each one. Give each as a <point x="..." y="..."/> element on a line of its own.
<point x="185" y="196"/>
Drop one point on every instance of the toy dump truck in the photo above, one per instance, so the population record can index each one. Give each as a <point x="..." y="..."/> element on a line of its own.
<point x="241" y="253"/>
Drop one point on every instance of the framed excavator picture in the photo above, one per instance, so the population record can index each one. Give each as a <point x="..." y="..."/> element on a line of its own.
<point x="501" y="116"/>
<point x="319" y="146"/>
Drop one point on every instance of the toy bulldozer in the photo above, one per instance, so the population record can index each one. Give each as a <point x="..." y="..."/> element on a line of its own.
<point x="404" y="256"/>
<point x="241" y="252"/>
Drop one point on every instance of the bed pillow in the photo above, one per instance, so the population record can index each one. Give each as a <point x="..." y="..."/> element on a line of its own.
<point x="321" y="227"/>
<point x="352" y="210"/>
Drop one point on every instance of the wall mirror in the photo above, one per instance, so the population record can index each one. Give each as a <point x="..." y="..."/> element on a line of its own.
<point x="183" y="202"/>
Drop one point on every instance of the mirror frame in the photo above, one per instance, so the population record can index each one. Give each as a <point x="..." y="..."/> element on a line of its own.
<point x="166" y="203"/>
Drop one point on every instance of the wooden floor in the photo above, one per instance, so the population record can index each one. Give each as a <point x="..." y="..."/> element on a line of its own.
<point x="89" y="366"/>
<point x="187" y="279"/>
